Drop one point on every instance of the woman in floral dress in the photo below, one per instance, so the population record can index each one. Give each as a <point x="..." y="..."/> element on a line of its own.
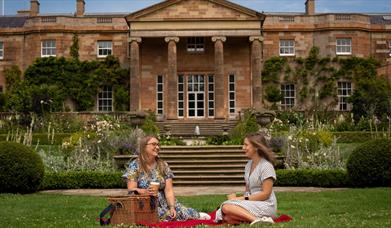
<point x="147" y="168"/>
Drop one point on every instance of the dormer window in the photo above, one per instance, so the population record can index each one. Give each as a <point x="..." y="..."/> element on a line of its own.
<point x="195" y="44"/>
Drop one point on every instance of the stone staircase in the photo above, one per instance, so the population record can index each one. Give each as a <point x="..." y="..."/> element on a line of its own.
<point x="202" y="165"/>
<point x="186" y="128"/>
<point x="206" y="165"/>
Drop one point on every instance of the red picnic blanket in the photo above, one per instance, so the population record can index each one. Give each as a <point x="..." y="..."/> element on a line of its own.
<point x="193" y="223"/>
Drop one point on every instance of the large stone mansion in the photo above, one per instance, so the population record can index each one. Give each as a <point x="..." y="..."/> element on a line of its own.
<point x="194" y="59"/>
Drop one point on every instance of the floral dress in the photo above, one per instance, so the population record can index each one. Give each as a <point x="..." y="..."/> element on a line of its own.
<point x="134" y="173"/>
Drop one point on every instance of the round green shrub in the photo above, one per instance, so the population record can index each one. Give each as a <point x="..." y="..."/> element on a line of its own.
<point x="369" y="165"/>
<point x="21" y="169"/>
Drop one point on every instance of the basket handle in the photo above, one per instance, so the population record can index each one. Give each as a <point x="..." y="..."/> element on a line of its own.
<point x="110" y="208"/>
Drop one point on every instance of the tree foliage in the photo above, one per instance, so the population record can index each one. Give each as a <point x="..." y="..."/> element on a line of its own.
<point x="371" y="97"/>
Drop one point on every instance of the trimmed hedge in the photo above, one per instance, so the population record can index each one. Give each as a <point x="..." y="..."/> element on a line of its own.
<point x="21" y="169"/>
<point x="75" y="180"/>
<point x="312" y="177"/>
<point x="43" y="139"/>
<point x="82" y="179"/>
<point x="369" y="165"/>
<point x="357" y="136"/>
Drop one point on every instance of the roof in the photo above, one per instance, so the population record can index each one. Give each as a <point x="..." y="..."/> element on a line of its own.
<point x="12" y="21"/>
<point x="380" y="19"/>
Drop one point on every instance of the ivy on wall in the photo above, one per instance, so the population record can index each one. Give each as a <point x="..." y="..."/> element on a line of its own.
<point x="49" y="82"/>
<point x="316" y="77"/>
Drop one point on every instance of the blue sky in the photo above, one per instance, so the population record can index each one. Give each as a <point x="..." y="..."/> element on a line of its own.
<point x="98" y="6"/>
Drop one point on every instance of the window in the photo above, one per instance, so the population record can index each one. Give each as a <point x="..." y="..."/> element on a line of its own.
<point x="105" y="48"/>
<point x="159" y="95"/>
<point x="211" y="96"/>
<point x="195" y="95"/>
<point x="195" y="44"/>
<point x="288" y="93"/>
<point x="181" y="94"/>
<point x="48" y="48"/>
<point x="344" y="46"/>
<point x="105" y="99"/>
<point x="344" y="91"/>
<point x="389" y="47"/>
<point x="231" y="94"/>
<point x="287" y="47"/>
<point x="1" y="50"/>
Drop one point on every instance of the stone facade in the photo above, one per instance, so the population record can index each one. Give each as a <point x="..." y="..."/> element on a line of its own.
<point x="154" y="42"/>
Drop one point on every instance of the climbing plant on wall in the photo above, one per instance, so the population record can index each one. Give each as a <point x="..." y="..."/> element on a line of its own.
<point x="316" y="79"/>
<point x="50" y="81"/>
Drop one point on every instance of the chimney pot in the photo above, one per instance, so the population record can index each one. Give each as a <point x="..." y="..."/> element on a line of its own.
<point x="34" y="8"/>
<point x="80" y="8"/>
<point x="310" y="7"/>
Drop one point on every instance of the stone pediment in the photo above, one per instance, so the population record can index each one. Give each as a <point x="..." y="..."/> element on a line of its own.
<point x="174" y="10"/>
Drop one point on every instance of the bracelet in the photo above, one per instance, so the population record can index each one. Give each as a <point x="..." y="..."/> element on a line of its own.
<point x="171" y="206"/>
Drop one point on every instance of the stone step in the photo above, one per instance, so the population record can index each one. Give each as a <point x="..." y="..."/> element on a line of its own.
<point x="207" y="172"/>
<point x="202" y="150"/>
<point x="168" y="157"/>
<point x="197" y="167"/>
<point x="204" y="165"/>
<point x="208" y="182"/>
<point x="203" y="161"/>
<point x="209" y="177"/>
<point x="187" y="127"/>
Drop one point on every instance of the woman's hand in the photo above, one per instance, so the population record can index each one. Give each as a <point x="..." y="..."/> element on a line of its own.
<point x="172" y="213"/>
<point x="231" y="196"/>
<point x="141" y="191"/>
<point x="151" y="191"/>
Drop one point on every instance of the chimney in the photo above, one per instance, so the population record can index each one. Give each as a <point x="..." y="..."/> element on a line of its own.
<point x="310" y="7"/>
<point x="80" y="8"/>
<point x="34" y="8"/>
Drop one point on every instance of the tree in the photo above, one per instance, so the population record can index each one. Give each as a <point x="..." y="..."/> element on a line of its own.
<point x="371" y="97"/>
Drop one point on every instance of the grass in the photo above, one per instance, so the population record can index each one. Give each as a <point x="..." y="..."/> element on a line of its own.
<point x="345" y="208"/>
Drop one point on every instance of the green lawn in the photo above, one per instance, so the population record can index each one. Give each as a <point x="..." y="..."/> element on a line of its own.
<point x="347" y="208"/>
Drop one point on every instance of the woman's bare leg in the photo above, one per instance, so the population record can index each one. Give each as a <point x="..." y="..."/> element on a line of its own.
<point x="237" y="213"/>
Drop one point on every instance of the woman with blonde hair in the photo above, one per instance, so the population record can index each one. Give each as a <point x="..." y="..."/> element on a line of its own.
<point x="259" y="203"/>
<point x="147" y="168"/>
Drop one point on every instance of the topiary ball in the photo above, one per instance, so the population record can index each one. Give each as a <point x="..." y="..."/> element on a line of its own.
<point x="369" y="165"/>
<point x="21" y="169"/>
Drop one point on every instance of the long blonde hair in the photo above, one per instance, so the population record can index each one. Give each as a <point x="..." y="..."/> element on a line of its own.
<point x="142" y="157"/>
<point x="259" y="141"/>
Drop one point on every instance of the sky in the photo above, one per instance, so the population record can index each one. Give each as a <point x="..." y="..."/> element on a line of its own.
<point x="128" y="6"/>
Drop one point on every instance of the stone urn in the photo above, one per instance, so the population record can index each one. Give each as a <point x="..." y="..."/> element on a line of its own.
<point x="167" y="129"/>
<point x="264" y="117"/>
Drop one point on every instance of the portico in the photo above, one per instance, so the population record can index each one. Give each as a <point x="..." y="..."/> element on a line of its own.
<point x="195" y="59"/>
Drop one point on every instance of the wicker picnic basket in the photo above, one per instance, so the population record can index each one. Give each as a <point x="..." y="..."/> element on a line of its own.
<point x="134" y="209"/>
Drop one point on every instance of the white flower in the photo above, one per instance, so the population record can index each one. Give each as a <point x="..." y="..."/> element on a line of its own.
<point x="293" y="147"/>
